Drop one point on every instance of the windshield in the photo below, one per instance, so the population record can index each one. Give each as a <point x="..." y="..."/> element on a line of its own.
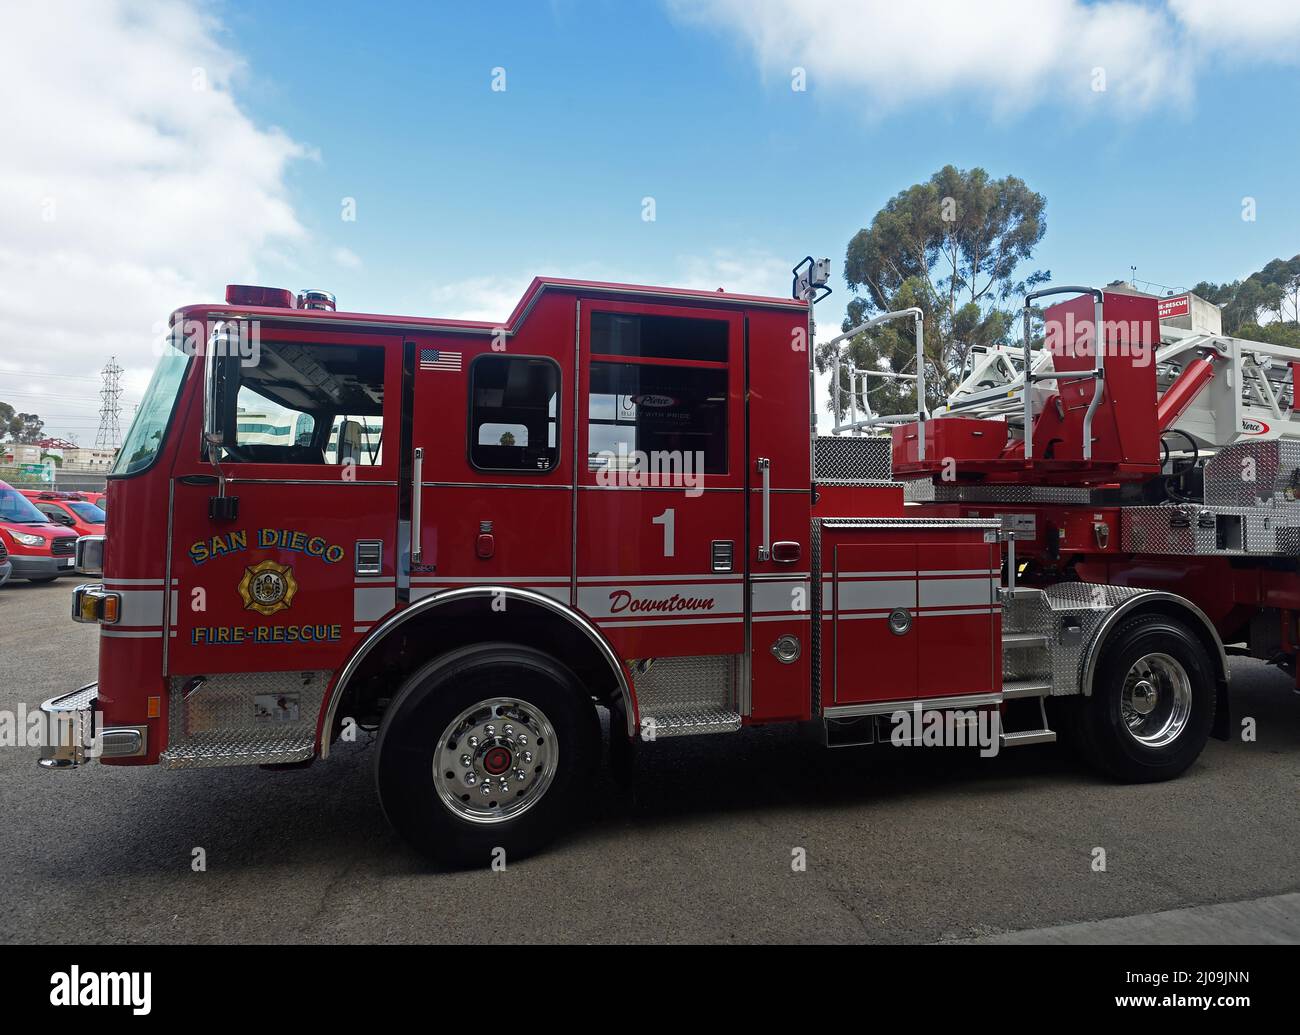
<point x="150" y="425"/>
<point x="17" y="509"/>
<point x="88" y="513"/>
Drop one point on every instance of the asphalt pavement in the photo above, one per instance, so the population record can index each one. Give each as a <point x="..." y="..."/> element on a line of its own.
<point x="901" y="845"/>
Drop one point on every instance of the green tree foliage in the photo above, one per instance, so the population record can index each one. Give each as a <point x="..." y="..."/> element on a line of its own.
<point x="25" y="428"/>
<point x="1273" y="291"/>
<point x="953" y="246"/>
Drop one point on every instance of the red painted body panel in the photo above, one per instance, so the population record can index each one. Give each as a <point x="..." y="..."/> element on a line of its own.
<point x="946" y="579"/>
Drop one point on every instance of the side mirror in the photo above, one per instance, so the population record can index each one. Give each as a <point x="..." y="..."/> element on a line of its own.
<point x="220" y="386"/>
<point x="220" y="390"/>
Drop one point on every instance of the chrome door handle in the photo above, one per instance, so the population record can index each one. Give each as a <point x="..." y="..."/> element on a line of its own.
<point x="417" y="476"/>
<point x="765" y="472"/>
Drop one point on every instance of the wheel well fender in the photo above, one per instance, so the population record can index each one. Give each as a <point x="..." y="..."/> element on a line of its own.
<point x="1169" y="605"/>
<point x="411" y="637"/>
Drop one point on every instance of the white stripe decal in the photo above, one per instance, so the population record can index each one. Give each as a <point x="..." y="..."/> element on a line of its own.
<point x="560" y="593"/>
<point x="854" y="596"/>
<point x="950" y="592"/>
<point x="606" y="623"/>
<point x="629" y="600"/>
<point x="373" y="602"/>
<point x="635" y="579"/>
<point x="487" y="580"/>
<point x="783" y="596"/>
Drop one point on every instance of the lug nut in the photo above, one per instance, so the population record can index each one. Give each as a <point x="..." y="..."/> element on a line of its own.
<point x="472" y="742"/>
<point x="523" y="739"/>
<point x="471" y="779"/>
<point x="507" y="730"/>
<point x="520" y="775"/>
<point x="466" y="761"/>
<point x="485" y="789"/>
<point x="527" y="757"/>
<point x="490" y="730"/>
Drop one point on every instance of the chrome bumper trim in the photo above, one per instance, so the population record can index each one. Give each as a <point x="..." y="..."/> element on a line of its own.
<point x="69" y="727"/>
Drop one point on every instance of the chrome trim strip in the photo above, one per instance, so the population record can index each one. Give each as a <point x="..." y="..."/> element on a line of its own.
<point x="1089" y="668"/>
<point x="662" y="488"/>
<point x="169" y="620"/>
<point x="842" y="711"/>
<point x="233" y="480"/>
<point x="565" y="487"/>
<point x="416" y="493"/>
<point x="396" y="619"/>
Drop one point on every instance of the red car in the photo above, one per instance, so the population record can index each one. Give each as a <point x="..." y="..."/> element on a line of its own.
<point x="39" y="550"/>
<point x="71" y="509"/>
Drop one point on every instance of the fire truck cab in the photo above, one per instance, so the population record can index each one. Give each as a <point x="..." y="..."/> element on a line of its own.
<point x="466" y="537"/>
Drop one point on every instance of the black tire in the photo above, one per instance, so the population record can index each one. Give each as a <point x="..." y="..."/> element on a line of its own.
<point x="1102" y="736"/>
<point x="430" y="700"/>
<point x="622" y="748"/>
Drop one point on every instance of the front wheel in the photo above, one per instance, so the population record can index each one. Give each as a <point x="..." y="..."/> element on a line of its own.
<point x="1152" y="703"/>
<point x="485" y="750"/>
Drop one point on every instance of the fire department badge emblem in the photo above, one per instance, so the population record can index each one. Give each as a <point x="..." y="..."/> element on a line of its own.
<point x="267" y="587"/>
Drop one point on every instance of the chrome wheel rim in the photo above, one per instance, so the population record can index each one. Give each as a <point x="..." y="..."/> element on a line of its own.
<point x="1156" y="701"/>
<point x="495" y="760"/>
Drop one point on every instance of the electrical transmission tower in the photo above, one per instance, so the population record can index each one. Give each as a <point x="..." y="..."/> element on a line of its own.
<point x="109" y="435"/>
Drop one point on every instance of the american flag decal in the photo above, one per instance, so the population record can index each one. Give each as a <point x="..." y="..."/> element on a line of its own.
<point x="439" y="359"/>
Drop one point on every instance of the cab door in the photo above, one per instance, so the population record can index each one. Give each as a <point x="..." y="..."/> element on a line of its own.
<point x="492" y="455"/>
<point x="661" y="481"/>
<point x="308" y="563"/>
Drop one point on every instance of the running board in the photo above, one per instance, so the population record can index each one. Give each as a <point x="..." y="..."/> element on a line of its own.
<point x="1017" y="688"/>
<point x="689" y="723"/>
<point x="1024" y="737"/>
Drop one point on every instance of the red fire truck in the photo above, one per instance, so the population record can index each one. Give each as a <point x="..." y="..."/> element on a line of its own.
<point x="468" y="537"/>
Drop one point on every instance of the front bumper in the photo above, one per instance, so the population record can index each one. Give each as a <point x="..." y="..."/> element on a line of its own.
<point x="6" y="569"/>
<point x="27" y="566"/>
<point x="75" y="737"/>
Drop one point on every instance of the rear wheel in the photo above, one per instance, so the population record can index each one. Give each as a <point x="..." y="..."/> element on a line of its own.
<point x="1152" y="703"/>
<point x="486" y="748"/>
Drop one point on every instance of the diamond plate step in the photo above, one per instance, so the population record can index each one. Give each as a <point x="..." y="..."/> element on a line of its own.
<point x="1024" y="737"/>
<point x="687" y="722"/>
<point x="220" y="747"/>
<point x="1014" y="688"/>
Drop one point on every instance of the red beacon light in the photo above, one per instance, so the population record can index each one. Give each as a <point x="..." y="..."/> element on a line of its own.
<point x="250" y="294"/>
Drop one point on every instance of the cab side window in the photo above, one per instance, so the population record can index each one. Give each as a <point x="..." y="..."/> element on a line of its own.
<point x="514" y="412"/>
<point x="309" y="404"/>
<point x="658" y="386"/>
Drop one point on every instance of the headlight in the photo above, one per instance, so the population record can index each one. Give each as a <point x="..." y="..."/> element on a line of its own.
<point x="28" y="540"/>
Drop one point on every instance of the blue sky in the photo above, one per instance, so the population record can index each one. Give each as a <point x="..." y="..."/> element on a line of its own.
<point x="463" y="193"/>
<point x="608" y="102"/>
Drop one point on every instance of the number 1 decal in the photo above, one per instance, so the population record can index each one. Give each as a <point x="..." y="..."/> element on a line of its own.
<point x="666" y="519"/>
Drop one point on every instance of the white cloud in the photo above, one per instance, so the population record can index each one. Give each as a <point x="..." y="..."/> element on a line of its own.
<point x="1270" y="27"/>
<point x="130" y="182"/>
<point x="493" y="298"/>
<point x="1009" y="54"/>
<point x="346" y="258"/>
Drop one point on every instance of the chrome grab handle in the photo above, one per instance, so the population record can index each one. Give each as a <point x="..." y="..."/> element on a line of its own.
<point x="765" y="471"/>
<point x="417" y="477"/>
<point x="1098" y="372"/>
